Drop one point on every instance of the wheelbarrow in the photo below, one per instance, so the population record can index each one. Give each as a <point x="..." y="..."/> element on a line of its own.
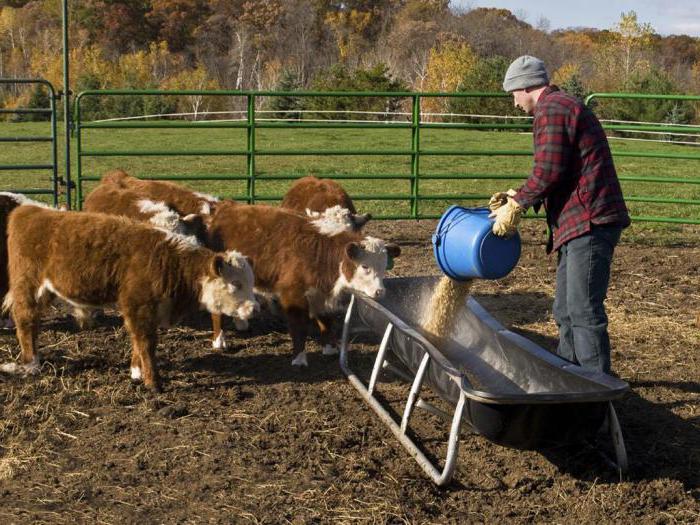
<point x="501" y="385"/>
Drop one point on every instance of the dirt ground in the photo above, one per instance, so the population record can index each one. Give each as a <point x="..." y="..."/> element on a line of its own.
<point x="241" y="436"/>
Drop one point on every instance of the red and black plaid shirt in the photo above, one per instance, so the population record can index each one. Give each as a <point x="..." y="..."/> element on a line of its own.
<point x="573" y="171"/>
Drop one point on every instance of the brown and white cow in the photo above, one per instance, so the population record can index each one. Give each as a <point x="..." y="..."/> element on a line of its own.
<point x="324" y="199"/>
<point x="308" y="271"/>
<point x="114" y="200"/>
<point x="183" y="200"/>
<point x="93" y="260"/>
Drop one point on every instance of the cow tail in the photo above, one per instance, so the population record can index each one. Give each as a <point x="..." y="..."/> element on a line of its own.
<point x="7" y="302"/>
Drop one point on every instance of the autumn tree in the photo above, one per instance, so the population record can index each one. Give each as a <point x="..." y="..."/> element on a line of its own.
<point x="236" y="39"/>
<point x="175" y="21"/>
<point x="193" y="79"/>
<point x="568" y="78"/>
<point x="448" y="65"/>
<point x="356" y="25"/>
<point x="633" y="39"/>
<point x="118" y="26"/>
<point x="418" y="22"/>
<point x="485" y="76"/>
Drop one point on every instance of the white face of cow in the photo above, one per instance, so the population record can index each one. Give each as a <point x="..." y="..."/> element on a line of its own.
<point x="368" y="265"/>
<point x="332" y="221"/>
<point x="228" y="289"/>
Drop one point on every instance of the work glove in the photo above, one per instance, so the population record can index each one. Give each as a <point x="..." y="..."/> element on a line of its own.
<point x="499" y="198"/>
<point x="507" y="218"/>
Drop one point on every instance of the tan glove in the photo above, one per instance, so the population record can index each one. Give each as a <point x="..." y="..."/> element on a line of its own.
<point x="507" y="218"/>
<point x="499" y="198"/>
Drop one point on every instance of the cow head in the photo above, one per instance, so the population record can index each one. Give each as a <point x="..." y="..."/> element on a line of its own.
<point x="365" y="263"/>
<point x="336" y="220"/>
<point x="228" y="287"/>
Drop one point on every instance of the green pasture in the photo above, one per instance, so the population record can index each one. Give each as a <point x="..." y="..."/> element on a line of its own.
<point x="393" y="188"/>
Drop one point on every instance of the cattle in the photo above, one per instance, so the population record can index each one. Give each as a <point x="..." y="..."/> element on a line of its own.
<point x="121" y="194"/>
<point x="183" y="200"/>
<point x="114" y="200"/>
<point x="318" y="197"/>
<point x="306" y="270"/>
<point x="93" y="260"/>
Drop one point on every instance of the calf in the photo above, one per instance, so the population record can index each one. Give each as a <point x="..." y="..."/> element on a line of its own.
<point x="307" y="270"/>
<point x="317" y="197"/>
<point x="92" y="260"/>
<point x="114" y="200"/>
<point x="183" y="200"/>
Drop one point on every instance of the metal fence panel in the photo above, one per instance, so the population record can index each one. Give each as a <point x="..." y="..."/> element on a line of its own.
<point x="51" y="164"/>
<point x="416" y="149"/>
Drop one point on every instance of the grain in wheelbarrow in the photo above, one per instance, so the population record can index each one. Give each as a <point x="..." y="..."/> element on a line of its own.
<point x="444" y="306"/>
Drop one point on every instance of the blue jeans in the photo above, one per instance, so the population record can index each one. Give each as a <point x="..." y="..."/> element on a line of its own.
<point x="583" y="274"/>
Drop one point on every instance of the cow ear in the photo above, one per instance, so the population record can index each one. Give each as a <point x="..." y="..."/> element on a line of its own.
<point x="194" y="224"/>
<point x="353" y="250"/>
<point x="360" y="220"/>
<point x="217" y="265"/>
<point x="394" y="250"/>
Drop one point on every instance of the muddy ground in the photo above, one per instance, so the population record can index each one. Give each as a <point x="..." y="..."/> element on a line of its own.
<point x="243" y="437"/>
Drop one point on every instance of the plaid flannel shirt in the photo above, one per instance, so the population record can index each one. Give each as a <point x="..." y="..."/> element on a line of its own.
<point x="573" y="171"/>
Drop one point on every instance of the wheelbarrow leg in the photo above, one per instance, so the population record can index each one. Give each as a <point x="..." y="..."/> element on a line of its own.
<point x="617" y="439"/>
<point x="440" y="477"/>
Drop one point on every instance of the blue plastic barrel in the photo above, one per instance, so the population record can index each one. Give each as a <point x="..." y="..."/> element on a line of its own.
<point x="466" y="248"/>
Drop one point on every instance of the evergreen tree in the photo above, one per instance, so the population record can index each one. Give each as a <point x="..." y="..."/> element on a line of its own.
<point x="287" y="104"/>
<point x="340" y="78"/>
<point x="39" y="99"/>
<point x="574" y="87"/>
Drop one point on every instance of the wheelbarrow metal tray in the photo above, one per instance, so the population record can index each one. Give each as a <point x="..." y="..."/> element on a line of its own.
<point x="518" y="394"/>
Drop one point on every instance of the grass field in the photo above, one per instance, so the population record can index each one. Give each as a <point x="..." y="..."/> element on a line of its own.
<point x="370" y="140"/>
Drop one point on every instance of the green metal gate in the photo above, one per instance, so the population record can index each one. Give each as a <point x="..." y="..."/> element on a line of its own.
<point x="684" y="185"/>
<point x="424" y="190"/>
<point x="414" y="149"/>
<point x="51" y="165"/>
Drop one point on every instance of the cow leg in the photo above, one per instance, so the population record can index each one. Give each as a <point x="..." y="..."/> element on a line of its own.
<point x="147" y="347"/>
<point x="329" y="342"/>
<point x="26" y="312"/>
<point x="144" y="352"/>
<point x="136" y="364"/>
<point x="297" y="324"/>
<point x="142" y="323"/>
<point x="27" y="331"/>
<point x="218" y="340"/>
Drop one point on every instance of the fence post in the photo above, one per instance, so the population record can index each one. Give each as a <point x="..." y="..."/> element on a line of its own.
<point x="78" y="156"/>
<point x="415" y="155"/>
<point x="251" y="149"/>
<point x="54" y="149"/>
<point x="66" y="102"/>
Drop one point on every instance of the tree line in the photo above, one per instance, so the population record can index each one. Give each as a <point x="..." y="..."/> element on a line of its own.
<point x="387" y="45"/>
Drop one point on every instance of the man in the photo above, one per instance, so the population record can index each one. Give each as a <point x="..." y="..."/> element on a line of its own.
<point x="574" y="176"/>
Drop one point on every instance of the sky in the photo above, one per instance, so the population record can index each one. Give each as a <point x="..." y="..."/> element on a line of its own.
<point x="667" y="17"/>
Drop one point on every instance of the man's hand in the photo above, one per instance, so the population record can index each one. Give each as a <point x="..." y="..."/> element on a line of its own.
<point x="507" y="218"/>
<point x="499" y="198"/>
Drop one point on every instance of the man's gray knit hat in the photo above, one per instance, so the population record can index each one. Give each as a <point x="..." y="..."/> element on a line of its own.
<point x="525" y="72"/>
